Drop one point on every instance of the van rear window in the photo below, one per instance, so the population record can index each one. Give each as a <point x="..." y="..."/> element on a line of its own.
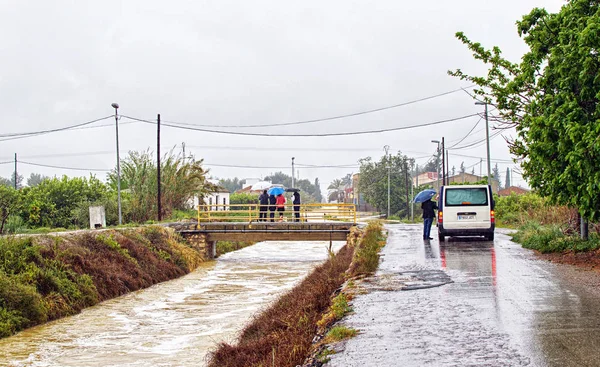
<point x="466" y="197"/>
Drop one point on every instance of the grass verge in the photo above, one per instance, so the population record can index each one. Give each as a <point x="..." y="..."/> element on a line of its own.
<point x="46" y="278"/>
<point x="283" y="334"/>
<point x="224" y="247"/>
<point x="551" y="238"/>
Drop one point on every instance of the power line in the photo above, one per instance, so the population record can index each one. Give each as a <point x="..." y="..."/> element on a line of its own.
<point x="329" y="118"/>
<point x="308" y="135"/>
<point x="53" y="130"/>
<point x="466" y="136"/>
<point x="62" y="167"/>
<point x="477" y="143"/>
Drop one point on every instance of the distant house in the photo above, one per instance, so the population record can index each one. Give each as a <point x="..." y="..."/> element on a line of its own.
<point x="219" y="199"/>
<point x="425" y="178"/>
<point x="466" y="178"/>
<point x="513" y="190"/>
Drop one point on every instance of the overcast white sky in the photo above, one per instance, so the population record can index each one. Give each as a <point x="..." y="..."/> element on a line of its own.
<point x="228" y="62"/>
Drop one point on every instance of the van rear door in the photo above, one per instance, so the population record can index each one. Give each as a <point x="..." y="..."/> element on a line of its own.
<point x="467" y="207"/>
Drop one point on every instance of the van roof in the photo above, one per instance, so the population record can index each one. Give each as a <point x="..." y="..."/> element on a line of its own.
<point x="465" y="186"/>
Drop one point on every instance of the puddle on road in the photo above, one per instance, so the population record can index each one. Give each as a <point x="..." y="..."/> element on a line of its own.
<point x="407" y="280"/>
<point x="174" y="323"/>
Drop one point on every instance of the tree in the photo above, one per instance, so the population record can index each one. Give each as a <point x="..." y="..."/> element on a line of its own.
<point x="10" y="182"/>
<point x="373" y="182"/>
<point x="473" y="171"/>
<point x="551" y="97"/>
<point x="35" y="179"/>
<point x="232" y="185"/>
<point x="336" y="190"/>
<point x="318" y="194"/>
<point x="453" y="171"/>
<point x="10" y="203"/>
<point x="496" y="175"/>
<point x="462" y="167"/>
<point x="180" y="181"/>
<point x="434" y="165"/>
<point x="507" y="182"/>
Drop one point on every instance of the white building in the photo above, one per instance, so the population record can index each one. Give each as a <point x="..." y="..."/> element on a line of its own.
<point x="218" y="200"/>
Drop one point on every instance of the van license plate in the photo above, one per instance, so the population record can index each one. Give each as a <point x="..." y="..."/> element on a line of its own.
<point x="466" y="217"/>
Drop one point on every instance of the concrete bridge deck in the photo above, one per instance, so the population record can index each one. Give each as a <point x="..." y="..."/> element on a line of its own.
<point x="205" y="234"/>
<point x="270" y="231"/>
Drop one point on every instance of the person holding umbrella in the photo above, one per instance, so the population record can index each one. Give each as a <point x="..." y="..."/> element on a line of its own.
<point x="429" y="207"/>
<point x="272" y="202"/>
<point x="264" y="202"/>
<point x="296" y="203"/>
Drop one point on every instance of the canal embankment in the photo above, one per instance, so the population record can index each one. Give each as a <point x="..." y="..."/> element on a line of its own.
<point x="44" y="278"/>
<point x="288" y="331"/>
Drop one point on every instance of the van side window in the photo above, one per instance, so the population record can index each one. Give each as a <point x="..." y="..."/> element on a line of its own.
<point x="466" y="197"/>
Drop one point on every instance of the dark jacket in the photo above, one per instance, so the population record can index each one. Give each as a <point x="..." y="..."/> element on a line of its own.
<point x="296" y="199"/>
<point x="428" y="209"/>
<point x="272" y="201"/>
<point x="263" y="199"/>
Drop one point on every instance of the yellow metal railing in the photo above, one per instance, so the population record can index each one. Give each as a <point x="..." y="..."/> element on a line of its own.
<point x="252" y="213"/>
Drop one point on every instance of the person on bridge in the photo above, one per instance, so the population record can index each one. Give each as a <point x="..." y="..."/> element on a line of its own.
<point x="264" y="202"/>
<point x="429" y="208"/>
<point x="272" y="202"/>
<point x="296" y="203"/>
<point x="280" y="206"/>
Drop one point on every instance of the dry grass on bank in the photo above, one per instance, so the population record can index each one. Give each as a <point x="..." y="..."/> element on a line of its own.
<point x="282" y="335"/>
<point x="45" y="278"/>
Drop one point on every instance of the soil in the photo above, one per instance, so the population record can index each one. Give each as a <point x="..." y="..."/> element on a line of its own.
<point x="589" y="260"/>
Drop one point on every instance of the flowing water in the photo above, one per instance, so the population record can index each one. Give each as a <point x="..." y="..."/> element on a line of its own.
<point x="175" y="323"/>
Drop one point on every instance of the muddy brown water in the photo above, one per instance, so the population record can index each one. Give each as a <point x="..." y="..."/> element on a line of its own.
<point x="175" y="323"/>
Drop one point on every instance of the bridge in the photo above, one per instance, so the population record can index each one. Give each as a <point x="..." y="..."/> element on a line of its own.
<point x="244" y="222"/>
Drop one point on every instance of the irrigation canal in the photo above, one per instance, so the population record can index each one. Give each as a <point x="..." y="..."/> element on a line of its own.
<point x="175" y="323"/>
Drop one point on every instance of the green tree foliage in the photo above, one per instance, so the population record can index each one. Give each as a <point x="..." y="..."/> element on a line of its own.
<point x="373" y="182"/>
<point x="35" y="179"/>
<point x="336" y="190"/>
<point x="551" y="97"/>
<point x="318" y="195"/>
<point x="54" y="201"/>
<point x="180" y="181"/>
<point x="496" y="175"/>
<point x="11" y="181"/>
<point x="10" y="203"/>
<point x="232" y="185"/>
<point x="243" y="198"/>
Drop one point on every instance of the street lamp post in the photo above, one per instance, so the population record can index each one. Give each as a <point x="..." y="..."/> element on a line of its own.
<point x="437" y="166"/>
<point x="116" y="107"/>
<point x="293" y="176"/>
<point x="387" y="148"/>
<point x="487" y="140"/>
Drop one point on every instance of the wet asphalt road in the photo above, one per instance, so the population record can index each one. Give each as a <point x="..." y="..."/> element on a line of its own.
<point x="484" y="304"/>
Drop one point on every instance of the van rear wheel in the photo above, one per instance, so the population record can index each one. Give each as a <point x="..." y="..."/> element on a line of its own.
<point x="489" y="237"/>
<point x="441" y="237"/>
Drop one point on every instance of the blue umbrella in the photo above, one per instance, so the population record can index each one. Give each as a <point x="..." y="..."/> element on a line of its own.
<point x="424" y="196"/>
<point x="276" y="191"/>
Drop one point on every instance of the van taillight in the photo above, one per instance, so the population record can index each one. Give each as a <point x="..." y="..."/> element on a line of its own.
<point x="492" y="216"/>
<point x="440" y="216"/>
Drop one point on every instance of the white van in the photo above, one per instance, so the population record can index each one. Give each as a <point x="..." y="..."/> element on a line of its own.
<point x="466" y="210"/>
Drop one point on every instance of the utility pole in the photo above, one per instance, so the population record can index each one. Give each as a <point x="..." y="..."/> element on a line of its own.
<point x="183" y="148"/>
<point x="293" y="177"/>
<point x="443" y="164"/>
<point x="158" y="202"/>
<point x="412" y="193"/>
<point x="407" y="200"/>
<point x="387" y="148"/>
<point x="487" y="140"/>
<point x="16" y="171"/>
<point x="116" y="107"/>
<point x="448" y="168"/>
